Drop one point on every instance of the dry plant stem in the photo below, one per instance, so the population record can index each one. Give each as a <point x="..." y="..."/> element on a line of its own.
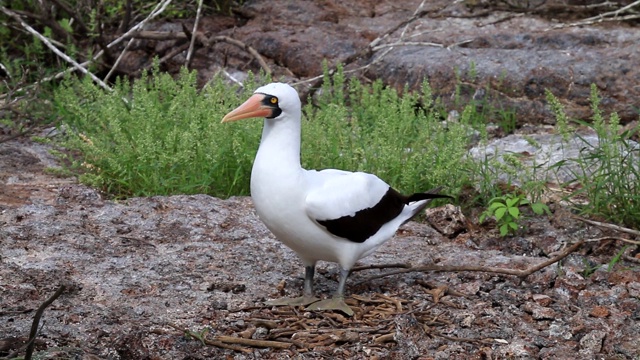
<point x="608" y="226"/>
<point x="253" y="343"/>
<point x="54" y="48"/>
<point x="614" y="238"/>
<point x="36" y="322"/>
<point x="115" y="64"/>
<point x="193" y="38"/>
<point x="380" y="266"/>
<point x="452" y="268"/>
<point x="208" y="41"/>
<point x="607" y="16"/>
<point x="156" y="11"/>
<point x="230" y="342"/>
<point x="211" y="342"/>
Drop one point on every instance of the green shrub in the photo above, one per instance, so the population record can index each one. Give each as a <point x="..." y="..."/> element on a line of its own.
<point x="607" y="174"/>
<point x="163" y="136"/>
<point x="159" y="136"/>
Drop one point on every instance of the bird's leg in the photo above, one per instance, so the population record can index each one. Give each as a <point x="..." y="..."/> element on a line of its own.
<point x="307" y="295"/>
<point x="337" y="301"/>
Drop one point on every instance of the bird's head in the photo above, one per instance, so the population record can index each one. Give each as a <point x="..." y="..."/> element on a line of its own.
<point x="272" y="101"/>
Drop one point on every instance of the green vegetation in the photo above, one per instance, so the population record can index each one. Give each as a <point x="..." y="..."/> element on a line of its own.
<point x="160" y="136"/>
<point x="607" y="174"/>
<point x="506" y="210"/>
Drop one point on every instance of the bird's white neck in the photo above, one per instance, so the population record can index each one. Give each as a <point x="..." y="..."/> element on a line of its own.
<point x="280" y="144"/>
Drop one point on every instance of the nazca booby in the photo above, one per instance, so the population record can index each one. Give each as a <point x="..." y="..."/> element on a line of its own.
<point x="330" y="215"/>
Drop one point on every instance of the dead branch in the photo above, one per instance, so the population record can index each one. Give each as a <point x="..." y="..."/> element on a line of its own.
<point x="115" y="64"/>
<point x="193" y="38"/>
<point x="209" y="41"/>
<point x="367" y="51"/>
<point x="253" y="343"/>
<point x="453" y="268"/>
<point x="614" y="238"/>
<point x="407" y="43"/>
<point x="210" y="342"/>
<point x="231" y="342"/>
<point x="36" y="321"/>
<point x="608" y="226"/>
<point x="380" y="266"/>
<point x="607" y="16"/>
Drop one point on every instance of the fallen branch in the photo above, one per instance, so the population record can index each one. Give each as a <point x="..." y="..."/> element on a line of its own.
<point x="607" y="16"/>
<point x="231" y="342"/>
<point x="36" y="321"/>
<point x="614" y="238"/>
<point x="209" y="41"/>
<point x="317" y="81"/>
<point x="204" y="40"/>
<point x="210" y="342"/>
<point x="193" y="38"/>
<point x="453" y="268"/>
<point x="380" y="266"/>
<point x="608" y="226"/>
<point x="253" y="343"/>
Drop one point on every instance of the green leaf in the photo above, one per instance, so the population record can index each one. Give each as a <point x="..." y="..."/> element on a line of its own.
<point x="500" y="213"/>
<point x="513" y="225"/>
<point x="504" y="230"/>
<point x="483" y="216"/>
<point x="540" y="208"/>
<point x="496" y="205"/>
<point x="513" y="201"/>
<point x="515" y="212"/>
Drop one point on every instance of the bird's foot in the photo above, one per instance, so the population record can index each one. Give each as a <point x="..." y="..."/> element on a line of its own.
<point x="335" y="303"/>
<point x="301" y="300"/>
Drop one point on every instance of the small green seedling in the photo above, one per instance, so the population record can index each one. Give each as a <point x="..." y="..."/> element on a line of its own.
<point x="506" y="210"/>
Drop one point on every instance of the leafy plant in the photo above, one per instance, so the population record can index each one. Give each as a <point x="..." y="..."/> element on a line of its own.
<point x="607" y="171"/>
<point x="506" y="210"/>
<point x="160" y="136"/>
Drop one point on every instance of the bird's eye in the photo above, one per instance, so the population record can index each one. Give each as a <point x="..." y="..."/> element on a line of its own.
<point x="274" y="100"/>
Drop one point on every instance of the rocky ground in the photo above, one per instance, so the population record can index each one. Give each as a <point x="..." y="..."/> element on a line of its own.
<point x="145" y="277"/>
<point x="139" y="273"/>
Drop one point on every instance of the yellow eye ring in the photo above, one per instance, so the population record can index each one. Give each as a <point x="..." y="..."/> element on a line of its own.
<point x="274" y="100"/>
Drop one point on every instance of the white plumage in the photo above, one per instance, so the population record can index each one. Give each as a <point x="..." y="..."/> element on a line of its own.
<point x="329" y="215"/>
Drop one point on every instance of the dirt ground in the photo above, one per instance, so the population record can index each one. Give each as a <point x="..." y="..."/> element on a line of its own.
<point x="146" y="277"/>
<point x="184" y="277"/>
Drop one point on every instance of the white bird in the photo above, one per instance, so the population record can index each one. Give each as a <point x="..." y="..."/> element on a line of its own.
<point x="328" y="215"/>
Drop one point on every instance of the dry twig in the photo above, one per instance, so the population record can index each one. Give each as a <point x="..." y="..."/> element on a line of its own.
<point x="608" y="226"/>
<point x="607" y="16"/>
<point x="193" y="38"/>
<point x="36" y="321"/>
<point x="452" y="268"/>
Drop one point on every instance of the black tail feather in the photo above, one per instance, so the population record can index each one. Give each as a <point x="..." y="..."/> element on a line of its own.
<point x="431" y="194"/>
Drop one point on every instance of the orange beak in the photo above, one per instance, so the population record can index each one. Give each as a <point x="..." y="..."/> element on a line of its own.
<point x="252" y="108"/>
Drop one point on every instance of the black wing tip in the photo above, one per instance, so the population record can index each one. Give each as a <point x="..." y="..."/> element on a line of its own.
<point x="431" y="194"/>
